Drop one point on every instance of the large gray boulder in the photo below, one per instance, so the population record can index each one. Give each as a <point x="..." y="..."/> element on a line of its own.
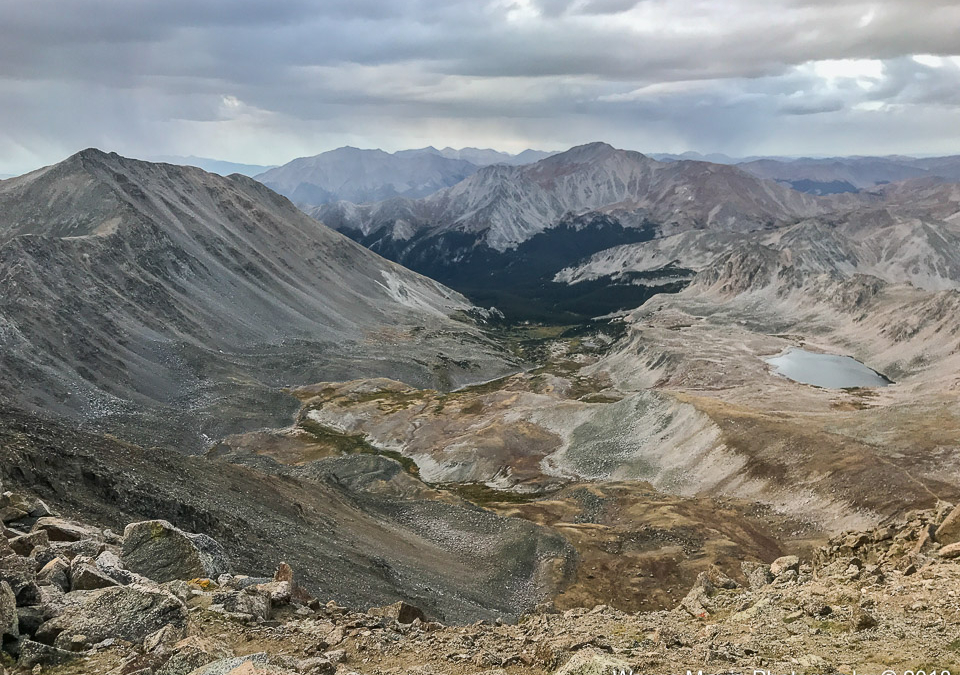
<point x="128" y="613"/>
<point x="161" y="552"/>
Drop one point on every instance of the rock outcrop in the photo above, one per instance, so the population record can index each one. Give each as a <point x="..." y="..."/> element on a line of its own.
<point x="158" y="550"/>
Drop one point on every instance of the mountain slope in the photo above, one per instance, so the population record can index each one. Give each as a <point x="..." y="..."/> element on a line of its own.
<point x="364" y="175"/>
<point x="906" y="232"/>
<point x="172" y="304"/>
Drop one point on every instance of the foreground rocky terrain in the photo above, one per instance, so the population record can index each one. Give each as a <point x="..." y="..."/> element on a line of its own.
<point x="356" y="527"/>
<point x="75" y="598"/>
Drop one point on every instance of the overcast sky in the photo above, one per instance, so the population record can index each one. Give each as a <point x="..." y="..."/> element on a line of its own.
<point x="263" y="81"/>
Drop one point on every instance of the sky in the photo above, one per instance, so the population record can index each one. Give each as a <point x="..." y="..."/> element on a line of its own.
<point x="264" y="81"/>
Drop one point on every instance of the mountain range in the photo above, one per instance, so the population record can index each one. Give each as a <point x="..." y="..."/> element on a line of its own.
<point x="506" y="230"/>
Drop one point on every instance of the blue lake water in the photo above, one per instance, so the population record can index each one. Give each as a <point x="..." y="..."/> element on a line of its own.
<point x="826" y="370"/>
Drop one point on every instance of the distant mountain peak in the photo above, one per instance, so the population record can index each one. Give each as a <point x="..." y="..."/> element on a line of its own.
<point x="92" y="153"/>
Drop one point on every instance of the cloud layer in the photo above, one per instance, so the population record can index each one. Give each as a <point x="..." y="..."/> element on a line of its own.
<point x="262" y="81"/>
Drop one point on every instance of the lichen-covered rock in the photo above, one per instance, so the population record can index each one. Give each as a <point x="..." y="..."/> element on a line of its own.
<point x="161" y="552"/>
<point x="128" y="613"/>
<point x="21" y="574"/>
<point x="592" y="662"/>
<point x="9" y="621"/>
<point x="37" y="654"/>
<point x="243" y="602"/>
<point x="758" y="575"/>
<point x="192" y="653"/>
<point x="254" y="664"/>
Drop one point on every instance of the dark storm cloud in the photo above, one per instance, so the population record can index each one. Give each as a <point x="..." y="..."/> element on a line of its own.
<point x="258" y="80"/>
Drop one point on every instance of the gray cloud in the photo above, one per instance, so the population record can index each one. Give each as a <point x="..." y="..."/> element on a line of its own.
<point x="260" y="81"/>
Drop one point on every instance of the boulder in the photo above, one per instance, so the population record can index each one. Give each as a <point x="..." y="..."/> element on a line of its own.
<point x="950" y="551"/>
<point x="55" y="573"/>
<point x="128" y="613"/>
<point x="243" y="602"/>
<point x="191" y="654"/>
<point x="949" y="530"/>
<point x="401" y="612"/>
<point x="593" y="662"/>
<point x="10" y="514"/>
<point x="317" y="665"/>
<point x="14" y="507"/>
<point x="861" y="619"/>
<point x="37" y="654"/>
<point x="9" y="621"/>
<point x="698" y="601"/>
<point x="5" y="549"/>
<point x="162" y="639"/>
<point x="58" y="529"/>
<point x="21" y="574"/>
<point x="785" y="564"/>
<point x="71" y="549"/>
<point x="111" y="565"/>
<point x="41" y="555"/>
<point x="25" y="543"/>
<point x="161" y="552"/>
<point x="86" y="576"/>
<point x="252" y="664"/>
<point x="31" y="618"/>
<point x="279" y="592"/>
<point x="758" y="575"/>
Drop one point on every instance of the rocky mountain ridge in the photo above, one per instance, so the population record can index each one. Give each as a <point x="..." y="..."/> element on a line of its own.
<point x="501" y="235"/>
<point x="505" y="206"/>
<point x="167" y="303"/>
